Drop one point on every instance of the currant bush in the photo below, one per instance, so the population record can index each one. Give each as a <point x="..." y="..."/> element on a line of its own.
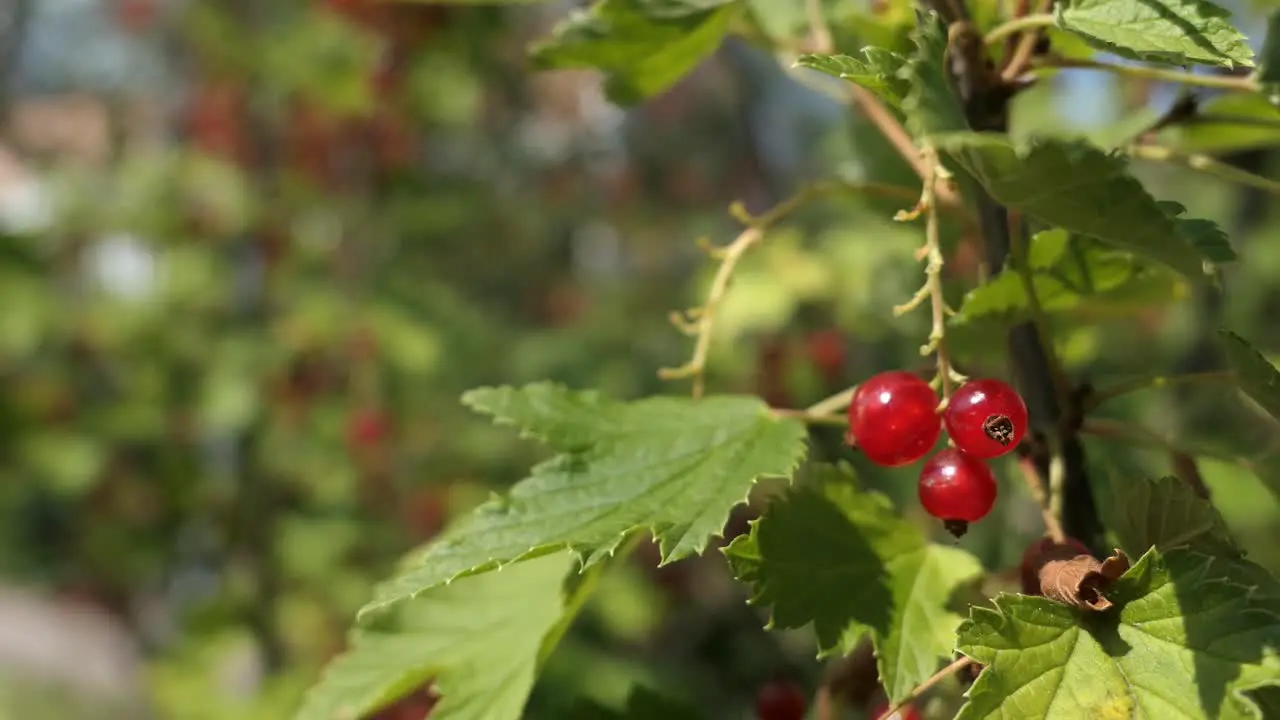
<point x="893" y="418"/>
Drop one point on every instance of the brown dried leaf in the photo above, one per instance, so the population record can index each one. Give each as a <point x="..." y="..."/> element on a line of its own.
<point x="1080" y="580"/>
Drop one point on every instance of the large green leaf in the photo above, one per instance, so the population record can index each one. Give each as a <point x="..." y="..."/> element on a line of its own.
<point x="675" y="466"/>
<point x="645" y="46"/>
<point x="931" y="106"/>
<point x="479" y="645"/>
<point x="1170" y="31"/>
<point x="1190" y="634"/>
<point x="842" y="560"/>
<point x="1165" y="514"/>
<point x="1074" y="185"/>
<point x="878" y="71"/>
<point x="1257" y="377"/>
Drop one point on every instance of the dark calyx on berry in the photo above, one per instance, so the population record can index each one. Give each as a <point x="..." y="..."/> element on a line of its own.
<point x="957" y="528"/>
<point x="999" y="428"/>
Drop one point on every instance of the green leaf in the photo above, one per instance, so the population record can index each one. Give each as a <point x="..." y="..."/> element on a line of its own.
<point x="931" y="106"/>
<point x="880" y="72"/>
<point x="842" y="560"/>
<point x="1227" y="123"/>
<point x="1191" y="634"/>
<point x="673" y="465"/>
<point x="1073" y="185"/>
<point x="1065" y="271"/>
<point x="1256" y="377"/>
<point x="644" y="46"/>
<point x="1165" y="514"/>
<point x="480" y="647"/>
<point x="1204" y="235"/>
<point x="1169" y="31"/>
<point x="1268" y="76"/>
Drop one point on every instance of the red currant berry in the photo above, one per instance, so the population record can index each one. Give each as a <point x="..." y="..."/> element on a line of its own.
<point x="781" y="700"/>
<point x="1040" y="552"/>
<point x="893" y="418"/>
<point x="986" y="418"/>
<point x="957" y="488"/>
<point x="907" y="713"/>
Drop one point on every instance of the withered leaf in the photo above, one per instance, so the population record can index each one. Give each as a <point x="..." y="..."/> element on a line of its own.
<point x="1080" y="580"/>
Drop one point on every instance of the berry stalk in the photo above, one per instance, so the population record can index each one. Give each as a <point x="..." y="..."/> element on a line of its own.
<point x="931" y="252"/>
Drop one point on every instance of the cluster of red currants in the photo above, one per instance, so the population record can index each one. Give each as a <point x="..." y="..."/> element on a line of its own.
<point x="894" y="420"/>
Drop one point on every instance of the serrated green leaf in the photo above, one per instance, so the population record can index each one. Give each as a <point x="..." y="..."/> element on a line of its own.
<point x="1257" y="377"/>
<point x="1227" y="123"/>
<point x="644" y="46"/>
<point x="1170" y="31"/>
<point x="1073" y="185"/>
<point x="931" y="106"/>
<point x="1268" y="75"/>
<point x="673" y="465"/>
<point x="1190" y="634"/>
<point x="1205" y="236"/>
<point x="480" y="647"/>
<point x="842" y="560"/>
<point x="879" y="71"/>
<point x="1165" y="513"/>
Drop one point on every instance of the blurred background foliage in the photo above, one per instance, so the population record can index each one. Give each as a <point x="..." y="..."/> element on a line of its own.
<point x="252" y="253"/>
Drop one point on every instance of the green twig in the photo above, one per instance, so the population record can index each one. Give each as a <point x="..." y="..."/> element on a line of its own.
<point x="1013" y="27"/>
<point x="1221" y="82"/>
<point x="1099" y="397"/>
<point x="1207" y="165"/>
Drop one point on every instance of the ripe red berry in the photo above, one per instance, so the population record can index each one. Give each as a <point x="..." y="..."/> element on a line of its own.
<point x="893" y="418"/>
<point x="907" y="713"/>
<point x="781" y="700"/>
<point x="957" y="488"/>
<point x="367" y="428"/>
<point x="986" y="418"/>
<point x="1038" y="553"/>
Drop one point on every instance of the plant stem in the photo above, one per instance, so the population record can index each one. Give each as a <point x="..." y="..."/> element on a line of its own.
<point x="701" y="320"/>
<point x="1019" y="257"/>
<point x="1222" y="82"/>
<point x="809" y="418"/>
<point x="986" y="106"/>
<point x="1205" y="164"/>
<point x="1099" y="397"/>
<point x="946" y="672"/>
<point x="835" y="403"/>
<point x="1052" y="526"/>
<point x="933" y="281"/>
<point x="1013" y="27"/>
